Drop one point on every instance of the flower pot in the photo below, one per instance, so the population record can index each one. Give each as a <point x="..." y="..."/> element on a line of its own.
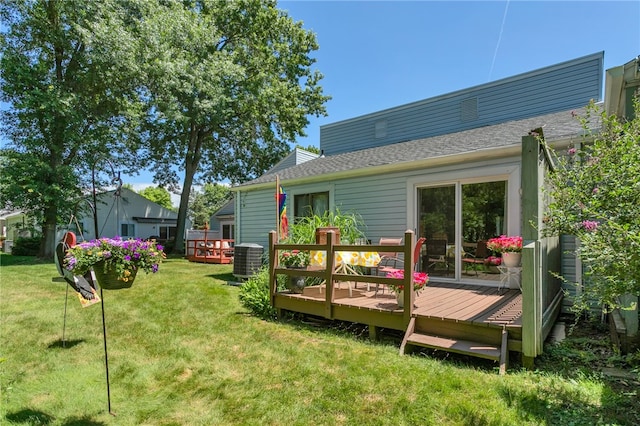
<point x="400" y="298"/>
<point x="109" y="279"/>
<point x="511" y="259"/>
<point x="296" y="284"/>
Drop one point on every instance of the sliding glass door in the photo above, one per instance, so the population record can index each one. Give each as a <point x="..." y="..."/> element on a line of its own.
<point x="457" y="219"/>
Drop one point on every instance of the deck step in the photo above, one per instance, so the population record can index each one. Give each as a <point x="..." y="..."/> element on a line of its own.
<point x="466" y="347"/>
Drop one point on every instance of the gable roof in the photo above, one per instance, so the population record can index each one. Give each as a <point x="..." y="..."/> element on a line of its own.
<point x="295" y="157"/>
<point x="487" y="142"/>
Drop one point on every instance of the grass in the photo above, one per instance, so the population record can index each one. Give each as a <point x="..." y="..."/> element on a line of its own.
<point x="183" y="351"/>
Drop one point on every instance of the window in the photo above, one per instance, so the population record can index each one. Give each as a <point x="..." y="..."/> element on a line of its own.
<point x="127" y="230"/>
<point x="167" y="232"/>
<point x="227" y="231"/>
<point x="306" y="205"/>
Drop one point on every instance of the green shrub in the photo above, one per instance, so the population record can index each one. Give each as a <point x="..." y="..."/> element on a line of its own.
<point x="254" y="294"/>
<point x="26" y="246"/>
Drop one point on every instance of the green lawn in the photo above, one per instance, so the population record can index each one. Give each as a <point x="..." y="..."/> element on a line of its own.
<point x="183" y="351"/>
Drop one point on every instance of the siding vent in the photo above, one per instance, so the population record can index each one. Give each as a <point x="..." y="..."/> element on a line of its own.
<point x="381" y="129"/>
<point x="469" y="109"/>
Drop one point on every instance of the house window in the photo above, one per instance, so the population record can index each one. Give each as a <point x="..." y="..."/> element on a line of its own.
<point x="227" y="231"/>
<point x="127" y="230"/>
<point x="167" y="232"/>
<point x="307" y="205"/>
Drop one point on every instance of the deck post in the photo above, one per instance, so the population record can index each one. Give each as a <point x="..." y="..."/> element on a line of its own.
<point x="409" y="296"/>
<point x="330" y="265"/>
<point x="272" y="266"/>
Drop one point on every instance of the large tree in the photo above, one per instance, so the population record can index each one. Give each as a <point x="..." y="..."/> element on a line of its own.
<point x="67" y="104"/>
<point x="230" y="85"/>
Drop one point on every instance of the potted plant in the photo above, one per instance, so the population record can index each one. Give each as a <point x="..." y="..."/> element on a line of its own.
<point x="295" y="259"/>
<point x="420" y="280"/>
<point x="115" y="261"/>
<point x="509" y="247"/>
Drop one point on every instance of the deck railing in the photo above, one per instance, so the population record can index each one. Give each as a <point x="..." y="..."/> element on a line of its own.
<point x="330" y="276"/>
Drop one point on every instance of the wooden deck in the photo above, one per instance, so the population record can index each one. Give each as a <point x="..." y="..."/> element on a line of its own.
<point x="483" y="321"/>
<point x="456" y="302"/>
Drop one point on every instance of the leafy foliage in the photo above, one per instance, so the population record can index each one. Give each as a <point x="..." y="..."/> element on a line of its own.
<point x="69" y="104"/>
<point x="26" y="246"/>
<point x="158" y="195"/>
<point x="595" y="194"/>
<point x="254" y="294"/>
<point x="229" y="86"/>
<point x="351" y="227"/>
<point x="205" y="203"/>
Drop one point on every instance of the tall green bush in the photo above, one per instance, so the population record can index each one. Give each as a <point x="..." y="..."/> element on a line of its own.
<point x="595" y="194"/>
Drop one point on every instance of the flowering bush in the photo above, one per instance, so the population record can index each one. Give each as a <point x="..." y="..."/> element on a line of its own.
<point x="124" y="256"/>
<point x="493" y="261"/>
<point x="420" y="280"/>
<point x="294" y="258"/>
<point x="505" y="244"/>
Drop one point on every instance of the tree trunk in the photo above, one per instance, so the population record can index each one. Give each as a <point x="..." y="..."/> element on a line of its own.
<point x="48" y="240"/>
<point x="191" y="166"/>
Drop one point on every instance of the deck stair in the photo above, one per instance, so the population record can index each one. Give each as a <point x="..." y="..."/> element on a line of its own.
<point x="491" y="343"/>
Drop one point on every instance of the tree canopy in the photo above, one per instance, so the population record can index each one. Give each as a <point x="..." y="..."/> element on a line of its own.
<point x="205" y="203"/>
<point x="229" y="86"/>
<point x="219" y="89"/>
<point x="68" y="106"/>
<point x="158" y="195"/>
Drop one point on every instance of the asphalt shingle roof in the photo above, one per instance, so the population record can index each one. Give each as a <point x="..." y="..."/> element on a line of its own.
<point x="556" y="126"/>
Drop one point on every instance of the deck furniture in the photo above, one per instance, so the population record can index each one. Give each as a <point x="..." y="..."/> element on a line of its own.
<point x="416" y="257"/>
<point x="211" y="251"/>
<point x="437" y="254"/>
<point x="477" y="257"/>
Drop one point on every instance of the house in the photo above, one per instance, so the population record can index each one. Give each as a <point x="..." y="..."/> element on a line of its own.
<point x="456" y="169"/>
<point x="14" y="224"/>
<point x="123" y="213"/>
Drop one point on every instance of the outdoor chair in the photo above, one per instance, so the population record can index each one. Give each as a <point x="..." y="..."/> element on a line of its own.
<point x="416" y="258"/>
<point x="388" y="259"/>
<point x="470" y="260"/>
<point x="437" y="254"/>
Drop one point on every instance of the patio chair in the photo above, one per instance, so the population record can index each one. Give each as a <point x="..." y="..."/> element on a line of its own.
<point x="388" y="259"/>
<point x="437" y="254"/>
<point x="477" y="257"/>
<point x="416" y="258"/>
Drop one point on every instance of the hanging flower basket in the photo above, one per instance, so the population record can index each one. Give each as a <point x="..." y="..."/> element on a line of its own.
<point x="110" y="280"/>
<point x="114" y="261"/>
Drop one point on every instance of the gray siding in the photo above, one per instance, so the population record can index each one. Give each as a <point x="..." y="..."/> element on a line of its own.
<point x="380" y="200"/>
<point x="297" y="156"/>
<point x="568" y="85"/>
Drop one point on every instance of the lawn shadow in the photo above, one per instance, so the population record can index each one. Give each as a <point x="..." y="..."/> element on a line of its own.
<point x="30" y="417"/>
<point x="65" y="344"/>
<point x="227" y="277"/>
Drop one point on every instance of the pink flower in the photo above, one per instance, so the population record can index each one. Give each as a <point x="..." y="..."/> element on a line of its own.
<point x="571" y="151"/>
<point x="589" y="225"/>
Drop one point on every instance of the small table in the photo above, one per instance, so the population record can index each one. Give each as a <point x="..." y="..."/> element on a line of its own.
<point x="345" y="260"/>
<point x="509" y="275"/>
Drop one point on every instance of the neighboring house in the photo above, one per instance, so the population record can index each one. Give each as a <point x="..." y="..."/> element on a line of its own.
<point x="14" y="224"/>
<point x="129" y="215"/>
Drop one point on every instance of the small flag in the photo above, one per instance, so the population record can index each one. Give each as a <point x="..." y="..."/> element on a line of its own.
<point x="282" y="210"/>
